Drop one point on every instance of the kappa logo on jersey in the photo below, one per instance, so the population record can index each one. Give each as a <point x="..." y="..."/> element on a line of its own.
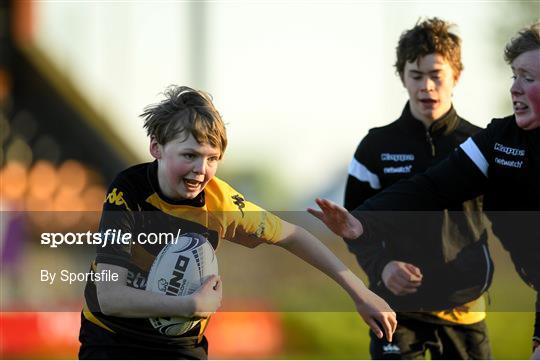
<point x="509" y="151"/>
<point x="391" y="349"/>
<point x="398" y="170"/>
<point x="387" y="157"/>
<point x="116" y="198"/>
<point x="239" y="202"/>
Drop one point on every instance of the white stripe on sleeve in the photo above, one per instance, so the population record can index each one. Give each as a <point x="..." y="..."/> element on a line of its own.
<point x="360" y="172"/>
<point x="471" y="149"/>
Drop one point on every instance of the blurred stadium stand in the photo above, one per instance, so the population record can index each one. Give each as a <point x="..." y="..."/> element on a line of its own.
<point x="51" y="163"/>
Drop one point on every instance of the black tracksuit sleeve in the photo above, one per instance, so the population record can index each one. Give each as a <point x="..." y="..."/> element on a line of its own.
<point x="456" y="179"/>
<point x="357" y="192"/>
<point x="460" y="177"/>
<point x="362" y="183"/>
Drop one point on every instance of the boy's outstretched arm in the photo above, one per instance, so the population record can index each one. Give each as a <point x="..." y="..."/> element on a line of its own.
<point x="373" y="309"/>
<point x="337" y="219"/>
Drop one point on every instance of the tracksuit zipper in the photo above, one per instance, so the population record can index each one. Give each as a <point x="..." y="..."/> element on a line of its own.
<point x="430" y="141"/>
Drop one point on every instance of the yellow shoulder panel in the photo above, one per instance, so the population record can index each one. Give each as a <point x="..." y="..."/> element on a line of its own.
<point x="244" y="222"/>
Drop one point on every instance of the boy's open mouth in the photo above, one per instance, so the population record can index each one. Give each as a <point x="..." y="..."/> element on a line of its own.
<point x="428" y="102"/>
<point x="191" y="183"/>
<point x="519" y="106"/>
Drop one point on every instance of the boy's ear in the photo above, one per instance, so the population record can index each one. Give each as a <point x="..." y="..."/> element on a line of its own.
<point x="155" y="148"/>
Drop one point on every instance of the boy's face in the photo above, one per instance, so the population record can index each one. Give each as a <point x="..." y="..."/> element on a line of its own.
<point x="525" y="90"/>
<point x="184" y="166"/>
<point x="429" y="82"/>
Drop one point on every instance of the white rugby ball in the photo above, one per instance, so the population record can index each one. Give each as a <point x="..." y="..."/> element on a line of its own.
<point x="180" y="269"/>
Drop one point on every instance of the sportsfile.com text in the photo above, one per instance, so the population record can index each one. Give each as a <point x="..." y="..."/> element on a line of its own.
<point x="108" y="237"/>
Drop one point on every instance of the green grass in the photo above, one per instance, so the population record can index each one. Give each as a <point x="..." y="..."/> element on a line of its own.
<point x="343" y="335"/>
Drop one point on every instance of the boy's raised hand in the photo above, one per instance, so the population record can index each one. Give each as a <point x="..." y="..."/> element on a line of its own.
<point x="337" y="219"/>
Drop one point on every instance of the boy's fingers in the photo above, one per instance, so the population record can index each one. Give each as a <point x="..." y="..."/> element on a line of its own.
<point x="408" y="281"/>
<point x="210" y="281"/>
<point x="388" y="328"/>
<point x="324" y="203"/>
<point x="414" y="270"/>
<point x="316" y="213"/>
<point x="217" y="285"/>
<point x="375" y="328"/>
<point x="408" y="276"/>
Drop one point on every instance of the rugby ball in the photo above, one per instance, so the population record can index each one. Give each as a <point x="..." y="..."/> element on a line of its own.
<point x="180" y="269"/>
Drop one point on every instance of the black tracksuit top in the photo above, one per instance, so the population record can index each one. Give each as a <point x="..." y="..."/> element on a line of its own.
<point x="501" y="162"/>
<point x="398" y="151"/>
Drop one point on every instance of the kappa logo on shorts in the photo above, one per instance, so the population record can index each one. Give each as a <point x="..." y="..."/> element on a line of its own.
<point x="391" y="349"/>
<point x="116" y="198"/>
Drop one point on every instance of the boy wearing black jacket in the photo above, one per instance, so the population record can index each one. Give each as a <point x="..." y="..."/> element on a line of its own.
<point x="501" y="162"/>
<point x="410" y="274"/>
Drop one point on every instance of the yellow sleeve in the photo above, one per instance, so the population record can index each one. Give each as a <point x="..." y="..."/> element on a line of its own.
<point x="256" y="226"/>
<point x="243" y="222"/>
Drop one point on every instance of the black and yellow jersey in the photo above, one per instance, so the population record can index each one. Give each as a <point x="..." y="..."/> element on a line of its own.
<point x="135" y="204"/>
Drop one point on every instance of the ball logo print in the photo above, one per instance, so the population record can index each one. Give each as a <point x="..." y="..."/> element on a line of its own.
<point x="180" y="269"/>
<point x="162" y="285"/>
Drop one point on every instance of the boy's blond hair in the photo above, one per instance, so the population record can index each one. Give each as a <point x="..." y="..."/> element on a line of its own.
<point x="185" y="111"/>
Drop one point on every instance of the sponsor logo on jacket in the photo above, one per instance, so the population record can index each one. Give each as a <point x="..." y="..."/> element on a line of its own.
<point x="509" y="151"/>
<point x="509" y="163"/>
<point x="398" y="170"/>
<point x="393" y="157"/>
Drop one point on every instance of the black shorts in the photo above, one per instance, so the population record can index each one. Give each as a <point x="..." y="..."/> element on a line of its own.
<point x="100" y="344"/>
<point x="413" y="338"/>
